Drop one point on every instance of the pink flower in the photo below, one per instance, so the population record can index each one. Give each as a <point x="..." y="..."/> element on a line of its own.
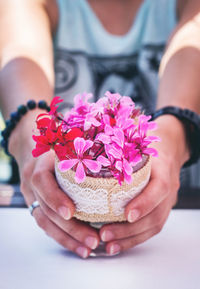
<point x="82" y="106"/>
<point x="90" y="120"/>
<point x="142" y="140"/>
<point x="125" y="123"/>
<point x="125" y="168"/>
<point x="104" y="161"/>
<point x="83" y="115"/>
<point x="81" y="162"/>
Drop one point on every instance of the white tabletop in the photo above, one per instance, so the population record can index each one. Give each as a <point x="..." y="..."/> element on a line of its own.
<point x="29" y="259"/>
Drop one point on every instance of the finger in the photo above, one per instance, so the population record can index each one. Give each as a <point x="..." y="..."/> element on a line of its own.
<point x="52" y="230"/>
<point x="27" y="193"/>
<point x="155" y="192"/>
<point x="116" y="247"/>
<point x="77" y="229"/>
<point x="60" y="236"/>
<point x="156" y="218"/>
<point x="47" y="187"/>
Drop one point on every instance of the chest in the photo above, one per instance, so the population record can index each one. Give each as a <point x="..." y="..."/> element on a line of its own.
<point x="116" y="16"/>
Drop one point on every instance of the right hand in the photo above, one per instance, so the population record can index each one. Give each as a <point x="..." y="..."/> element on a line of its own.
<point x="54" y="215"/>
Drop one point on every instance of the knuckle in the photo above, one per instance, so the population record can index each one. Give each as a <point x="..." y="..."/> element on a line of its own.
<point x="36" y="177"/>
<point x="176" y="184"/>
<point x="41" y="221"/>
<point x="164" y="184"/>
<point x="50" y="200"/>
<point x="73" y="231"/>
<point x="23" y="187"/>
<point x="175" y="200"/>
<point x="47" y="211"/>
<point x="158" y="228"/>
<point x="26" y="173"/>
<point x="62" y="240"/>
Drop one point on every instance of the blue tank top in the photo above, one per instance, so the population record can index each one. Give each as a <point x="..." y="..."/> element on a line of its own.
<point x="88" y="58"/>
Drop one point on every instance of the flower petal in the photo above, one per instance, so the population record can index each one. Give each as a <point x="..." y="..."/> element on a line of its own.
<point x="39" y="150"/>
<point x="67" y="164"/>
<point x="103" y="138"/>
<point x="152" y="125"/>
<point x="79" y="144"/>
<point x="119" y="137"/>
<point x="73" y="133"/>
<point x="93" y="166"/>
<point x="113" y="151"/>
<point x="127" y="167"/>
<point x="88" y="145"/>
<point x="128" y="178"/>
<point x="135" y="159"/>
<point x="118" y="165"/>
<point x="150" y="151"/>
<point x="104" y="161"/>
<point x="108" y="129"/>
<point x="80" y="173"/>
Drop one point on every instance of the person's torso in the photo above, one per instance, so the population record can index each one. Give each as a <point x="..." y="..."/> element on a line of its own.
<point x="89" y="58"/>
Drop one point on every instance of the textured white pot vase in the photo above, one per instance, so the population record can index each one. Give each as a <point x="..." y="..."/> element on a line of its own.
<point x="103" y="200"/>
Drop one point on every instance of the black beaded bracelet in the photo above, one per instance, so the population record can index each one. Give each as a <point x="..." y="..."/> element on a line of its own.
<point x="15" y="118"/>
<point x="191" y="122"/>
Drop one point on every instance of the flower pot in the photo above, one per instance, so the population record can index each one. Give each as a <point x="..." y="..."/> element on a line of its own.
<point x="100" y="199"/>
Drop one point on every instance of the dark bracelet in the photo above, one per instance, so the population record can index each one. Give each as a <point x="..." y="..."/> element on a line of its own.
<point x="191" y="122"/>
<point x="15" y="118"/>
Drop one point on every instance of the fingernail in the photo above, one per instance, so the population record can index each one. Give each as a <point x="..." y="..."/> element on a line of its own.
<point x="114" y="249"/>
<point x="133" y="215"/>
<point x="82" y="252"/>
<point x="64" y="212"/>
<point x="91" y="242"/>
<point x="107" y="236"/>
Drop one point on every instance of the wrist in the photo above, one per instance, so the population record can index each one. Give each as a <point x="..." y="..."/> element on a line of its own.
<point x="20" y="142"/>
<point x="15" y="118"/>
<point x="173" y="146"/>
<point x="191" y="124"/>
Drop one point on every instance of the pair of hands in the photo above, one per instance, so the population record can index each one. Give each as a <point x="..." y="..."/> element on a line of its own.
<point x="145" y="215"/>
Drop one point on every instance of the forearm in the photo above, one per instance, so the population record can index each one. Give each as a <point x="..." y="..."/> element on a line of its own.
<point x="180" y="65"/>
<point x="179" y="81"/>
<point x="26" y="53"/>
<point x="26" y="64"/>
<point x="23" y="79"/>
<point x="180" y="86"/>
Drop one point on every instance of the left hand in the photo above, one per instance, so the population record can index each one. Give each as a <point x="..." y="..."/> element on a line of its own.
<point x="147" y="213"/>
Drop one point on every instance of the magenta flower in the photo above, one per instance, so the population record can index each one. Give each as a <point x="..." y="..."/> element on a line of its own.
<point x="142" y="140"/>
<point x="112" y="133"/>
<point x="126" y="169"/>
<point x="83" y="115"/>
<point x="82" y="106"/>
<point x="90" y="120"/>
<point x="82" y="161"/>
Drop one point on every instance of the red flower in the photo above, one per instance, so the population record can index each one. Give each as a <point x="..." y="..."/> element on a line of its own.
<point x="73" y="133"/>
<point x="54" y="106"/>
<point x="50" y="136"/>
<point x="44" y="122"/>
<point x="61" y="151"/>
<point x="44" y="142"/>
<point x="65" y="149"/>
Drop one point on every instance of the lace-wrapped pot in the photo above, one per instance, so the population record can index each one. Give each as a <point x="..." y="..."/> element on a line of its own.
<point x="102" y="199"/>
